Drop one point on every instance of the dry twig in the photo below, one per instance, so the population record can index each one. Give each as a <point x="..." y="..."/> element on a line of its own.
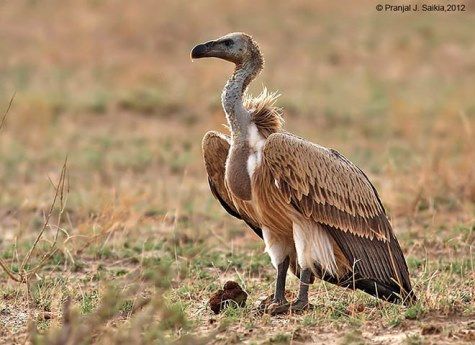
<point x="61" y="191"/>
<point x="4" y="117"/>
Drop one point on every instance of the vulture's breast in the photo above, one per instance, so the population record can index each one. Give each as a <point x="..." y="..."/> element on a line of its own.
<point x="274" y="212"/>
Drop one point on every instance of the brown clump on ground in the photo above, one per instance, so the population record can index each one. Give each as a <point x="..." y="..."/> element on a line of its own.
<point x="231" y="294"/>
<point x="431" y="329"/>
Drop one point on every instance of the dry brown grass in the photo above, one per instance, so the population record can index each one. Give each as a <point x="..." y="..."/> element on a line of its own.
<point x="143" y="243"/>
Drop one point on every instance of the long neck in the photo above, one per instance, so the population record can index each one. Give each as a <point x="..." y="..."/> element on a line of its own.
<point x="232" y="98"/>
<point x="238" y="117"/>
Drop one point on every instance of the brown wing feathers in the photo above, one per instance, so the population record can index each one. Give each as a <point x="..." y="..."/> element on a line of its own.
<point x="215" y="151"/>
<point x="378" y="268"/>
<point x="324" y="186"/>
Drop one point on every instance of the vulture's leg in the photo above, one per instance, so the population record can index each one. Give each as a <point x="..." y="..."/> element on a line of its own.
<point x="279" y="252"/>
<point x="277" y="303"/>
<point x="279" y="295"/>
<point x="301" y="303"/>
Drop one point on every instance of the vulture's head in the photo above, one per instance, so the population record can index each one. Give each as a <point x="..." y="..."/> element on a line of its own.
<point x="236" y="47"/>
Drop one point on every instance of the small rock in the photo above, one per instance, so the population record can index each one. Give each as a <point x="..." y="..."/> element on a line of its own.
<point x="48" y="315"/>
<point x="467" y="335"/>
<point x="301" y="335"/>
<point x="354" y="309"/>
<point x="231" y="294"/>
<point x="431" y="329"/>
<point x="471" y="325"/>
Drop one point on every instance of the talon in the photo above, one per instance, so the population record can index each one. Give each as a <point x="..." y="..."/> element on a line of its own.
<point x="278" y="307"/>
<point x="299" y="305"/>
<point x="265" y="303"/>
<point x="273" y="306"/>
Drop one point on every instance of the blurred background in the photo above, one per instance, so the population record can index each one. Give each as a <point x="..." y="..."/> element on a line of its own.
<point x="111" y="85"/>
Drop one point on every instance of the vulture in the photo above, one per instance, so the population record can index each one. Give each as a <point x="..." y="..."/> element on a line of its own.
<point x="316" y="211"/>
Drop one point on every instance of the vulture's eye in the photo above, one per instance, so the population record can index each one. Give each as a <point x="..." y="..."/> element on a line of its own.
<point x="228" y="43"/>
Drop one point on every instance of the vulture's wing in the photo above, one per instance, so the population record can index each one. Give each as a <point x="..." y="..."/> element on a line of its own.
<point x="324" y="186"/>
<point x="215" y="152"/>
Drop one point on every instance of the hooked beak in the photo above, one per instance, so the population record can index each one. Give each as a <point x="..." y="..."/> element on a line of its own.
<point x="202" y="50"/>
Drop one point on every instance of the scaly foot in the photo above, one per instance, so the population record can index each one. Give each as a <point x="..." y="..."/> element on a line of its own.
<point x="273" y="306"/>
<point x="278" y="307"/>
<point x="299" y="305"/>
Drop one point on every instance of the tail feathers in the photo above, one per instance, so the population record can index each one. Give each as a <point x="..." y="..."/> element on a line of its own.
<point x="377" y="267"/>
<point x="391" y="293"/>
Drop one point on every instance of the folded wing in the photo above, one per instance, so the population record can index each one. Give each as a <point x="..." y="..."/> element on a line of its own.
<point x="215" y="152"/>
<point x="325" y="187"/>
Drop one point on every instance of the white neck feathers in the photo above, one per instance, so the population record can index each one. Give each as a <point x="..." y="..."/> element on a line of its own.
<point x="232" y="99"/>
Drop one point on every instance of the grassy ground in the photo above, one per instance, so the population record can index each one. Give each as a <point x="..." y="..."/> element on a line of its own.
<point x="135" y="243"/>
